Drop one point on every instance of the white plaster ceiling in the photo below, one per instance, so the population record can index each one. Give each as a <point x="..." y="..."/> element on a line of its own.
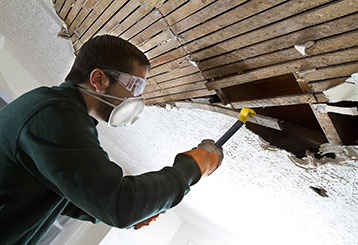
<point x="257" y="194"/>
<point x="30" y="28"/>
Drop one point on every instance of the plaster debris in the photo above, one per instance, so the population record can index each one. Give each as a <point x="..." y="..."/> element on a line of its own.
<point x="324" y="108"/>
<point x="343" y="155"/>
<point x="302" y="47"/>
<point x="347" y="91"/>
<point x="64" y="33"/>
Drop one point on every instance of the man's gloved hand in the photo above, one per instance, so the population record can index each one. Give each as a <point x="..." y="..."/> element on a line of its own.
<point x="146" y="222"/>
<point x="207" y="156"/>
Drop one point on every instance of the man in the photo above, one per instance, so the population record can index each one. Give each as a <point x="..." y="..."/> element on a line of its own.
<point x="51" y="160"/>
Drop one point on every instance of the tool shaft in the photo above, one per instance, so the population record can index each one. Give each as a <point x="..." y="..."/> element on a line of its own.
<point x="229" y="133"/>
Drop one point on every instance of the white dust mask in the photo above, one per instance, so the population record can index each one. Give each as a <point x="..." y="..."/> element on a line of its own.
<point x="125" y="113"/>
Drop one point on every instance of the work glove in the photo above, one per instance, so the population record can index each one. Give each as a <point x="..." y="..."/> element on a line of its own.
<point x="146" y="222"/>
<point x="208" y="156"/>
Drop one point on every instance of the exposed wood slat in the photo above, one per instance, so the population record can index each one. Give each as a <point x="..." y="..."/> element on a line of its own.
<point x="246" y="10"/>
<point x="119" y="16"/>
<point x="276" y="101"/>
<point x="182" y="80"/>
<point x="321" y="46"/>
<point x="321" y="98"/>
<point x="74" y="11"/>
<point x="181" y="96"/>
<point x="170" y="5"/>
<point x="170" y="66"/>
<point x="151" y="87"/>
<point x="85" y="10"/>
<point x="175" y="74"/>
<point x="317" y="16"/>
<point x="185" y="10"/>
<point x="92" y="17"/>
<point x="66" y="8"/>
<point x="292" y="66"/>
<point x="162" y="48"/>
<point x="167" y="57"/>
<point x="141" y="12"/>
<point x="178" y="89"/>
<point x="257" y="119"/>
<point x="58" y="5"/>
<point x="156" y="40"/>
<point x="141" y="25"/>
<point x="206" y="13"/>
<point x="340" y="70"/>
<point x="102" y="19"/>
<point x="326" y="84"/>
<point x="326" y="125"/>
<point x="149" y="32"/>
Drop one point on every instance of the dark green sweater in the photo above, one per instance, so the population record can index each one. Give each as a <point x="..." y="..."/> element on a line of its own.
<point x="52" y="163"/>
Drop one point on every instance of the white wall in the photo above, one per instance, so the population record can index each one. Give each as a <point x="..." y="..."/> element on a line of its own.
<point x="14" y="78"/>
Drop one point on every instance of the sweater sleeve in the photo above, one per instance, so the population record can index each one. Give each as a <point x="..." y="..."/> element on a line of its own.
<point x="62" y="151"/>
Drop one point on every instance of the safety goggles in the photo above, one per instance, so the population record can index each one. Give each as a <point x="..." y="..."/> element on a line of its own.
<point x="131" y="83"/>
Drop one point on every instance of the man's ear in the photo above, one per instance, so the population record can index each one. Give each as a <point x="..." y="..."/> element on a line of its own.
<point x="98" y="80"/>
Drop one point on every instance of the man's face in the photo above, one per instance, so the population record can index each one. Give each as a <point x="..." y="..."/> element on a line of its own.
<point x="116" y="89"/>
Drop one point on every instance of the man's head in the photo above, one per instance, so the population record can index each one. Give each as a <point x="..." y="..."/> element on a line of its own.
<point x="106" y="53"/>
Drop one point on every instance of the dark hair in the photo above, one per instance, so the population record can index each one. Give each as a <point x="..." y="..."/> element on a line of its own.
<point x="103" y="52"/>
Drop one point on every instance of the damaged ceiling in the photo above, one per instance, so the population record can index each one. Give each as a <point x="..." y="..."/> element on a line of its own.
<point x="275" y="56"/>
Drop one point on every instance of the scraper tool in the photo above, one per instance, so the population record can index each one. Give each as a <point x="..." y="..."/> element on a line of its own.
<point x="244" y="114"/>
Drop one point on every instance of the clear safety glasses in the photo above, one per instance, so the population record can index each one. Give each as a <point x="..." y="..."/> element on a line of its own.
<point x="131" y="83"/>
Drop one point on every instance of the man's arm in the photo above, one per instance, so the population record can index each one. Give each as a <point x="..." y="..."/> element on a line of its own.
<point x="66" y="156"/>
<point x="75" y="212"/>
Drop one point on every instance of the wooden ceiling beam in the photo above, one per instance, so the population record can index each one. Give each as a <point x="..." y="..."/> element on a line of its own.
<point x="326" y="125"/>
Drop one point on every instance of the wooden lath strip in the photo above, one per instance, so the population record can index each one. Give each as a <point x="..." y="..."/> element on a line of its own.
<point x="172" y="43"/>
<point x="139" y="13"/>
<point x="91" y="18"/>
<point x="58" y="5"/>
<point x="257" y="119"/>
<point x="169" y="56"/>
<point x="340" y="70"/>
<point x="326" y="84"/>
<point x="106" y="15"/>
<point x="156" y="40"/>
<point x="321" y="31"/>
<point x="295" y="66"/>
<point x="322" y="46"/>
<point x="297" y="22"/>
<point x="175" y="90"/>
<point x="120" y="16"/>
<point x="76" y="8"/>
<point x="168" y="67"/>
<point x="66" y="8"/>
<point x="82" y="14"/>
<point x="170" y="6"/>
<point x="182" y="80"/>
<point x="186" y="10"/>
<point x="238" y="14"/>
<point x="148" y="20"/>
<point x="208" y="12"/>
<point x="175" y="74"/>
<point x="149" y="32"/>
<point x="180" y="96"/>
<point x="327" y="125"/>
<point x="276" y="101"/>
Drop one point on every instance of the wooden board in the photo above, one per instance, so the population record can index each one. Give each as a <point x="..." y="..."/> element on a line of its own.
<point x="276" y="101"/>
<point x="245" y="62"/>
<point x="326" y="125"/>
<point x="335" y="71"/>
<point x="148" y="33"/>
<point x="210" y="11"/>
<point x="317" y="16"/>
<point x="174" y="74"/>
<point x="168" y="67"/>
<point x="326" y="84"/>
<point x="174" y="90"/>
<point x="76" y="8"/>
<point x="317" y="61"/>
<point x="180" y="96"/>
<point x="105" y="16"/>
<point x="182" y="80"/>
<point x="257" y="119"/>
<point x="238" y="14"/>
<point x="82" y="14"/>
<point x="66" y="8"/>
<point x="58" y="5"/>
